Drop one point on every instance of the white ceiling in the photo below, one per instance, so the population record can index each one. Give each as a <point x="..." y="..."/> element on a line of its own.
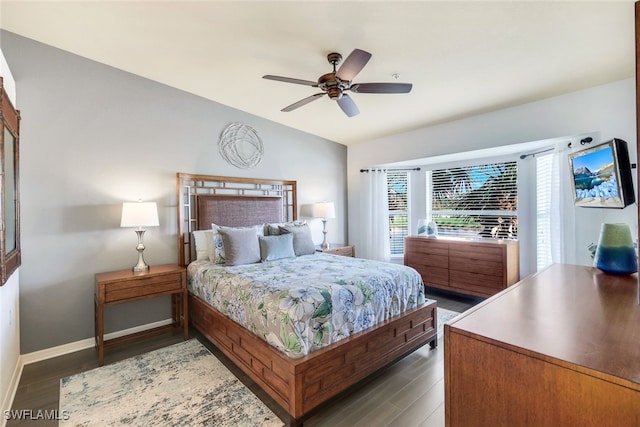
<point x="463" y="58"/>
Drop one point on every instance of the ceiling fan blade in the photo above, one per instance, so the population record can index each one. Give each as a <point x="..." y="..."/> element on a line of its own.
<point x="381" y="88"/>
<point x="348" y="106"/>
<point x="290" y="80"/>
<point x="354" y="63"/>
<point x="302" y="102"/>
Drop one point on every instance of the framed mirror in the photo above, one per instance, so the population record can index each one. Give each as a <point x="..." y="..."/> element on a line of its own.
<point x="9" y="187"/>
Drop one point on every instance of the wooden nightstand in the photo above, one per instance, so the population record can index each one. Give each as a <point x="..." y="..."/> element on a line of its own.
<point x="339" y="249"/>
<point x="125" y="286"/>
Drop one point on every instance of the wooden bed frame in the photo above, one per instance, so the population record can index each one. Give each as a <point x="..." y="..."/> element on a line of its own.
<point x="298" y="385"/>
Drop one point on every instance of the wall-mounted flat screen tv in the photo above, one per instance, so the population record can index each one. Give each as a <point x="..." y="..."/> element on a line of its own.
<point x="601" y="176"/>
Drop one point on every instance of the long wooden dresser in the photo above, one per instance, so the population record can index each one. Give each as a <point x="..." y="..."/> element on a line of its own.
<point x="480" y="267"/>
<point x="560" y="348"/>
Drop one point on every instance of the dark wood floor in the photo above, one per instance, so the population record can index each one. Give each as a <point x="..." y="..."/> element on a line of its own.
<point x="39" y="387"/>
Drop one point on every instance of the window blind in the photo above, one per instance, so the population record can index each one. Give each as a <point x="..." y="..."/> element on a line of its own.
<point x="479" y="200"/>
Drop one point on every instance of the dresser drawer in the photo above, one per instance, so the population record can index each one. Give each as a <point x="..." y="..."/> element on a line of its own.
<point x="474" y="265"/>
<point x="478" y="252"/>
<point x="139" y="287"/>
<point x="478" y="282"/>
<point x="425" y="247"/>
<point x="417" y="260"/>
<point x="433" y="276"/>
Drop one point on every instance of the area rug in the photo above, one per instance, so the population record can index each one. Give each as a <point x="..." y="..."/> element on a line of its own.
<point x="180" y="385"/>
<point x="444" y="316"/>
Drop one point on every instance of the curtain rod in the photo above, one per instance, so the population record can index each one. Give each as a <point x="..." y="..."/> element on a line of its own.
<point x="524" y="156"/>
<point x="390" y="169"/>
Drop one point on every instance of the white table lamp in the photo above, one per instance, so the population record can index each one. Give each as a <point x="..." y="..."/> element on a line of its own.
<point x="325" y="211"/>
<point x="139" y="214"/>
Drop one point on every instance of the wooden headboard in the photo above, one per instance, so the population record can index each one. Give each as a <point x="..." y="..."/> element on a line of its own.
<point x="234" y="202"/>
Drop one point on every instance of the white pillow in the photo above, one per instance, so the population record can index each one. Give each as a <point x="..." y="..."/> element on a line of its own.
<point x="204" y="244"/>
<point x="209" y="246"/>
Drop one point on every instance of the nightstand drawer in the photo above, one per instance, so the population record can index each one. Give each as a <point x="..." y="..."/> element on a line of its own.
<point x="142" y="286"/>
<point x="344" y="251"/>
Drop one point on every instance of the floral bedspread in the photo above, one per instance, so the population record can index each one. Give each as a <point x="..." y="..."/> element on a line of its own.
<point x="305" y="303"/>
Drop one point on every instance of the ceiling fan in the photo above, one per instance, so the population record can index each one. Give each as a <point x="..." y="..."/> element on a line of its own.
<point x="337" y="82"/>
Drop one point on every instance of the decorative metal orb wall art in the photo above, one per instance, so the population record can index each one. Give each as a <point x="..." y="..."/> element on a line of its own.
<point x="241" y="146"/>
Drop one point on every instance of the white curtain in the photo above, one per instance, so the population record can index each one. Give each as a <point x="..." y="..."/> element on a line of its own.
<point x="375" y="216"/>
<point x="550" y="170"/>
<point x="559" y="173"/>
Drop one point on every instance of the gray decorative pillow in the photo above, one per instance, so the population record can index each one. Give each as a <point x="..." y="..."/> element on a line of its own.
<point x="218" y="256"/>
<point x="240" y="245"/>
<point x="273" y="229"/>
<point x="302" y="240"/>
<point x="276" y="247"/>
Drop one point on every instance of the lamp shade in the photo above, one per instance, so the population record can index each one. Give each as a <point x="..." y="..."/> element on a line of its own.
<point x="324" y="210"/>
<point x="139" y="214"/>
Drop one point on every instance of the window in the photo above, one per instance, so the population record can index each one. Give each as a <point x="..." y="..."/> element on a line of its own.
<point x="479" y="200"/>
<point x="397" y="185"/>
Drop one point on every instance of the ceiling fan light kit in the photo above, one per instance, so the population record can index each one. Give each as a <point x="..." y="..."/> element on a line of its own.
<point x="334" y="84"/>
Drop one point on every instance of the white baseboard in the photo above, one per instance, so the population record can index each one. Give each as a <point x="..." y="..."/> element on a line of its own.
<point x="60" y="350"/>
<point x="11" y="391"/>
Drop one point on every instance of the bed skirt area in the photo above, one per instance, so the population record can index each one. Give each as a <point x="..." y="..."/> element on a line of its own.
<point x="301" y="384"/>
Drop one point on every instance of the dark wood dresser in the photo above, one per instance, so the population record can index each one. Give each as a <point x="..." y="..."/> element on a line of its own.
<point x="480" y="267"/>
<point x="561" y="348"/>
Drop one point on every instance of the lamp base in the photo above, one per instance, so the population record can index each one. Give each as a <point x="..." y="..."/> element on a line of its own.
<point x="141" y="265"/>
<point x="325" y="243"/>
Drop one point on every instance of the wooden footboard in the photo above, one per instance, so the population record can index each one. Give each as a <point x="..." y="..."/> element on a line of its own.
<point x="300" y="385"/>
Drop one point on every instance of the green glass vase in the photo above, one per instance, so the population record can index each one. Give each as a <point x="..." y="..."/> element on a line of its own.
<point x="615" y="253"/>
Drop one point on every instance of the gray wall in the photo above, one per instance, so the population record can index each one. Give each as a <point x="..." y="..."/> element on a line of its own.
<point x="92" y="137"/>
